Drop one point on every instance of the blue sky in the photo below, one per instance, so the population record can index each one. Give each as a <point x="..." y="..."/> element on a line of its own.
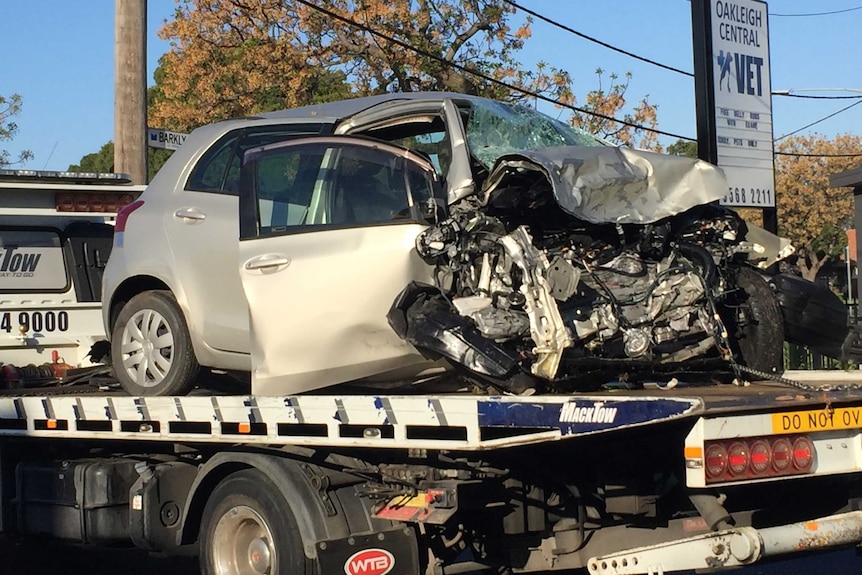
<point x="58" y="54"/>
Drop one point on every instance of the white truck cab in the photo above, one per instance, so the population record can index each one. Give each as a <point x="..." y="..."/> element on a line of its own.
<point x="56" y="231"/>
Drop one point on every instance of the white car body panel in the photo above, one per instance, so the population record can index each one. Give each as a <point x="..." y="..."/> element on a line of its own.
<point x="328" y="305"/>
<point x="215" y="239"/>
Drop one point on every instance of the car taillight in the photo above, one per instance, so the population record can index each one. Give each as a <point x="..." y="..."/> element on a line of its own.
<point x="757" y="458"/>
<point x="123" y="215"/>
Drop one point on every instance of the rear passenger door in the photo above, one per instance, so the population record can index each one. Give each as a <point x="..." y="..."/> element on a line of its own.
<point x="202" y="224"/>
<point x="327" y="229"/>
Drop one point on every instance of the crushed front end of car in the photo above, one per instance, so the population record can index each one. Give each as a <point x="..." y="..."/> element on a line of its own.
<point x="575" y="265"/>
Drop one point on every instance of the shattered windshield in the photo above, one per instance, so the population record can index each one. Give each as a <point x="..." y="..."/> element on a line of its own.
<point x="496" y="128"/>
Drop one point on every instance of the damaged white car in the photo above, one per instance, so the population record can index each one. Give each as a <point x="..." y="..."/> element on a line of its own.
<point x="520" y="251"/>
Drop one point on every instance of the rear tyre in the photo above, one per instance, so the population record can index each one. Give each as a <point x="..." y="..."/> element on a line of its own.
<point x="248" y="528"/>
<point x="151" y="349"/>
<point x="755" y="323"/>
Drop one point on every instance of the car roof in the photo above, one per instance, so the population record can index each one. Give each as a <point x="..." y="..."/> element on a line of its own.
<point x="328" y="113"/>
<point x="201" y="138"/>
<point x="334" y="111"/>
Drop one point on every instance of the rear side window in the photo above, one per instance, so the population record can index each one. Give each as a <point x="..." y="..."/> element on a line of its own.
<point x="32" y="261"/>
<point x="218" y="170"/>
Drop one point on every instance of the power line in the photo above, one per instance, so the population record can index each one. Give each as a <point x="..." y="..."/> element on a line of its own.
<point x="493" y="80"/>
<point x="818" y="13"/>
<point x="786" y="95"/>
<point x="801" y="155"/>
<point x="596" y="40"/>
<point x="844" y="109"/>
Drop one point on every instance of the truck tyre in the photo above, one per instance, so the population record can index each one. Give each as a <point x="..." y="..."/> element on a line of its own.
<point x="756" y="325"/>
<point x="151" y="348"/>
<point x="248" y="528"/>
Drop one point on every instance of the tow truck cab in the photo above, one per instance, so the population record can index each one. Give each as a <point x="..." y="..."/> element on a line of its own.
<point x="56" y="231"/>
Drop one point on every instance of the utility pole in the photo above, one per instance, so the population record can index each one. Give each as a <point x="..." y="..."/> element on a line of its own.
<point x="130" y="89"/>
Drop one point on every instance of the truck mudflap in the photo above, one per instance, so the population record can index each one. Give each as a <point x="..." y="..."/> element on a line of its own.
<point x="393" y="552"/>
<point x="732" y="547"/>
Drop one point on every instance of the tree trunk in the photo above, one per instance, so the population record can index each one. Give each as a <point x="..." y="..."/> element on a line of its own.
<point x="809" y="263"/>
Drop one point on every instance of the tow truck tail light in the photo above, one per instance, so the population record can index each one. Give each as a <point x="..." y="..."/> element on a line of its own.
<point x="99" y="202"/>
<point x="757" y="458"/>
<point x="761" y="457"/>
<point x="803" y="454"/>
<point x="782" y="455"/>
<point x="716" y="460"/>
<point x="123" y="215"/>
<point x="737" y="458"/>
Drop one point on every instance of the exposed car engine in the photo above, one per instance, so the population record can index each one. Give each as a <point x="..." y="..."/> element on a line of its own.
<point x="525" y="287"/>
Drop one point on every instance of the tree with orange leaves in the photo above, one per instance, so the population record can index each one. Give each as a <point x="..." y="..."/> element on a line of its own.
<point x="609" y="102"/>
<point x="233" y="57"/>
<point x="810" y="213"/>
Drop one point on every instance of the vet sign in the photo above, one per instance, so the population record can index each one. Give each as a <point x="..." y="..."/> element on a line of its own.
<point x="164" y="139"/>
<point x="743" y="103"/>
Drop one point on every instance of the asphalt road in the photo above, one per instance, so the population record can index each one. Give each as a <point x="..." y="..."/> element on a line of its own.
<point x="49" y="558"/>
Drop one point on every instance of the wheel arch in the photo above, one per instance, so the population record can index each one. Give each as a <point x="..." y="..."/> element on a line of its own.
<point x="128" y="289"/>
<point x="324" y="515"/>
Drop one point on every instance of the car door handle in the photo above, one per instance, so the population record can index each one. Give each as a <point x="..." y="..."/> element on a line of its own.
<point x="266" y="261"/>
<point x="191" y="215"/>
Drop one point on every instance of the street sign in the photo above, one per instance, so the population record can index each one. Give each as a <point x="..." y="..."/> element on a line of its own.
<point x="737" y="92"/>
<point x="164" y="139"/>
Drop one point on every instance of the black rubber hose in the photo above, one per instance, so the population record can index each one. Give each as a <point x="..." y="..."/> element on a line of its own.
<point x="700" y="255"/>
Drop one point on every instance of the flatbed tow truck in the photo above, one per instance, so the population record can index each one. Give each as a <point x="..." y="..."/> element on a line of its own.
<point x="623" y="481"/>
<point x="661" y="477"/>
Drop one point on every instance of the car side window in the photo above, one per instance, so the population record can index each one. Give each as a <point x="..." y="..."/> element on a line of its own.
<point x="209" y="173"/>
<point x="218" y="170"/>
<point x="284" y="184"/>
<point x="318" y="185"/>
<point x="369" y="187"/>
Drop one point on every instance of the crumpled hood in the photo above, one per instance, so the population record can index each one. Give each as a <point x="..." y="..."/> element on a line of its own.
<point x="617" y="185"/>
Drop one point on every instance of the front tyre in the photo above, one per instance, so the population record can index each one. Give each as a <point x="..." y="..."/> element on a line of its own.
<point x="151" y="349"/>
<point x="755" y="323"/>
<point x="248" y="528"/>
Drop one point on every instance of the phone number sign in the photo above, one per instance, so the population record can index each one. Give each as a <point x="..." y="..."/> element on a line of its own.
<point x="743" y="102"/>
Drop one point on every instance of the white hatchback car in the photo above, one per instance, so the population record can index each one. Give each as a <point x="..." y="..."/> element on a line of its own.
<point x="362" y="239"/>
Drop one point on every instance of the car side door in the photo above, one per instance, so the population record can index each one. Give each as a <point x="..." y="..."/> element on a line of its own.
<point x="202" y="225"/>
<point x="433" y="127"/>
<point x="327" y="233"/>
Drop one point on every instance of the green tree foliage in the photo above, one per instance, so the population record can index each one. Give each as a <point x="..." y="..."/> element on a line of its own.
<point x="9" y="108"/>
<point x="103" y="161"/>
<point x="683" y="148"/>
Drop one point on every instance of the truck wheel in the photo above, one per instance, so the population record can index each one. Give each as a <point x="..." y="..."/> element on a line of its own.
<point x="151" y="348"/>
<point x="248" y="528"/>
<point x="756" y="325"/>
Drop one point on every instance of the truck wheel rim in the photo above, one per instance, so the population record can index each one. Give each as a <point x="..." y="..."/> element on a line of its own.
<point x="242" y="543"/>
<point x="147" y="345"/>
